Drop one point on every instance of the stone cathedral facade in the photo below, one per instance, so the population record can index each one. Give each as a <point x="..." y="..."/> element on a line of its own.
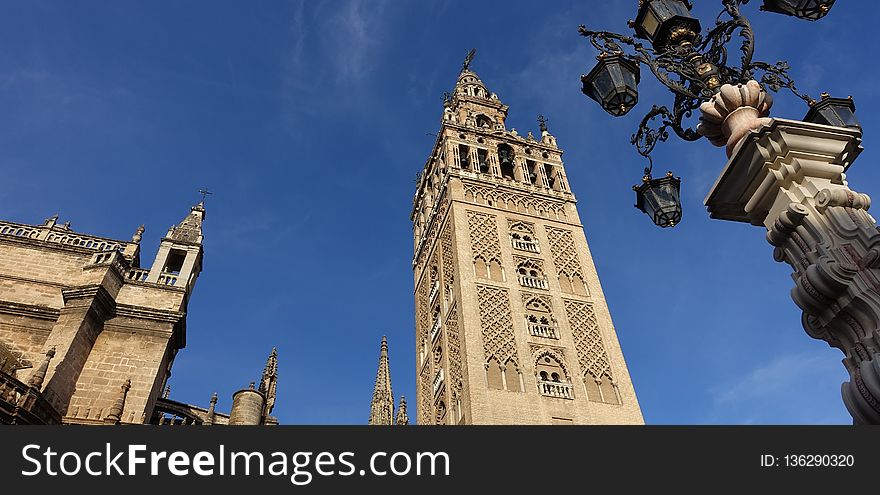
<point x="89" y="336"/>
<point x="511" y="323"/>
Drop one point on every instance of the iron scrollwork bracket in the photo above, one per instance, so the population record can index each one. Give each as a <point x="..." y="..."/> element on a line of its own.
<point x="693" y="71"/>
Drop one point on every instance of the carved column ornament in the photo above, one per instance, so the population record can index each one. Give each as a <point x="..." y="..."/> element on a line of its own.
<point x="734" y="111"/>
<point x="789" y="177"/>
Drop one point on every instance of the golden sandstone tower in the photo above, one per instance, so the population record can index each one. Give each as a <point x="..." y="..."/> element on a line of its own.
<point x="511" y="323"/>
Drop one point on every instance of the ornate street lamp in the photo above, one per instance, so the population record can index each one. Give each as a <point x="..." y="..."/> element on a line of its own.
<point x="692" y="64"/>
<point x="787" y="176"/>
<point x="659" y="199"/>
<point x="839" y="112"/>
<point x="613" y="83"/>
<point x="811" y="10"/>
<point x="666" y="21"/>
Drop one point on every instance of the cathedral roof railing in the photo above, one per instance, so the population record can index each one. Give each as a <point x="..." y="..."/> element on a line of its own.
<point x="24" y="404"/>
<point x="50" y="232"/>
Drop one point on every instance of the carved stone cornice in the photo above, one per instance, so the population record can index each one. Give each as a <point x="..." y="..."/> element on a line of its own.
<point x="103" y="302"/>
<point x="775" y="156"/>
<point x="145" y="313"/>
<point x="29" y="310"/>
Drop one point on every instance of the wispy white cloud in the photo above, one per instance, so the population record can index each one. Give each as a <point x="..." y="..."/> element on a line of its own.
<point x="790" y="389"/>
<point x="357" y="31"/>
<point x="331" y="45"/>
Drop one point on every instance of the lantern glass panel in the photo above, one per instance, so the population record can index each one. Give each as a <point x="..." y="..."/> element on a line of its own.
<point x="650" y="23"/>
<point x="830" y="117"/>
<point x="603" y="85"/>
<point x="847" y="117"/>
<point x="839" y="112"/>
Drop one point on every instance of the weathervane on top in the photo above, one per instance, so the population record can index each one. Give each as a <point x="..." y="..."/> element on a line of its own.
<point x="468" y="59"/>
<point x="204" y="192"/>
<point x="542" y="123"/>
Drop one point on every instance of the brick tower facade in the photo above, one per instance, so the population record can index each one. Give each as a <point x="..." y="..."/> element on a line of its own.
<point x="511" y="323"/>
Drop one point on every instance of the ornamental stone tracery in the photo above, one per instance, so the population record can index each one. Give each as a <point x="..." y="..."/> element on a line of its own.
<point x="590" y="349"/>
<point x="496" y="324"/>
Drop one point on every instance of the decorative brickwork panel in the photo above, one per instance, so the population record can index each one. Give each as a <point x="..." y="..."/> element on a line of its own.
<point x="513" y="201"/>
<point x="497" y="324"/>
<point x="588" y="344"/>
<point x="484" y="236"/>
<point x="453" y="345"/>
<point x="447" y="257"/>
<point x="564" y="253"/>
<point x="422" y="312"/>
<point x="425" y="411"/>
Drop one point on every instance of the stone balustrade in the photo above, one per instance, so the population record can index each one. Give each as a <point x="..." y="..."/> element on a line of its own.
<point x="21" y="404"/>
<point x="530" y="246"/>
<point x="532" y="282"/>
<point x="435" y="330"/>
<point x="59" y="236"/>
<point x="438" y="381"/>
<point x="555" y="389"/>
<point x="19" y="230"/>
<point x="137" y="274"/>
<point x="435" y="289"/>
<point x="546" y="331"/>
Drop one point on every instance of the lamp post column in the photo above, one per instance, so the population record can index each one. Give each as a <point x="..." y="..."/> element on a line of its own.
<point x="789" y="177"/>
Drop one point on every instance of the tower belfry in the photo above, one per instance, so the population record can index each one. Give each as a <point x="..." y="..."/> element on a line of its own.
<point x="511" y="323"/>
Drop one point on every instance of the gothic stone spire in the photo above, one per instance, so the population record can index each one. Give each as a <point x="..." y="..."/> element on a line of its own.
<point x="190" y="228"/>
<point x="269" y="380"/>
<point x="382" y="407"/>
<point x="402" y="419"/>
<point x="114" y="416"/>
<point x="209" y="418"/>
<point x="36" y="380"/>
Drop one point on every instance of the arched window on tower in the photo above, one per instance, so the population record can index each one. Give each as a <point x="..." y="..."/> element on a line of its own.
<point x="511" y="376"/>
<point x="572" y="283"/>
<point x="488" y="269"/>
<point x="483" y="160"/>
<point x="464" y="158"/>
<point x="533" y="169"/>
<point x="531" y="274"/>
<point x="440" y="417"/>
<point x="550" y="173"/>
<point x="553" y="381"/>
<point x="539" y="320"/>
<point x="601" y="389"/>
<point x="484" y="122"/>
<point x="505" y="161"/>
<point x="493" y="375"/>
<point x="438" y="356"/>
<point x="522" y="237"/>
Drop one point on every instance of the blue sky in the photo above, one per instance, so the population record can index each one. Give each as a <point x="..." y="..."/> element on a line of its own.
<point x="309" y="122"/>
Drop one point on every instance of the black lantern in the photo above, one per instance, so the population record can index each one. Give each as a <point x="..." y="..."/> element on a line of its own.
<point x="811" y="10"/>
<point x="613" y="83"/>
<point x="666" y="21"/>
<point x="839" y="112"/>
<point x="660" y="199"/>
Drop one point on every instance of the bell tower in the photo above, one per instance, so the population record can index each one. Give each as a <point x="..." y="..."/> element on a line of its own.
<point x="511" y="323"/>
<point x="179" y="258"/>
